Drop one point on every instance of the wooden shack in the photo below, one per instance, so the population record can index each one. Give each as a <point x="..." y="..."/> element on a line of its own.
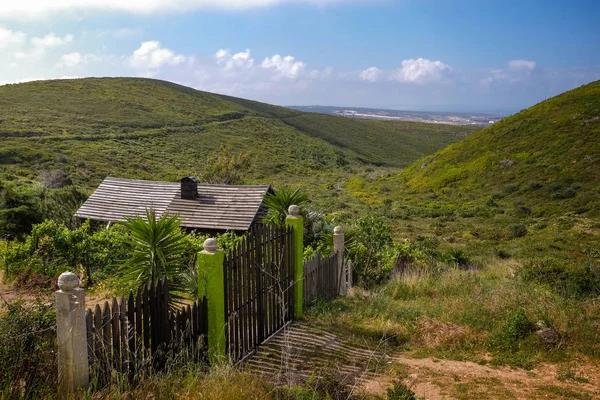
<point x="202" y="207"/>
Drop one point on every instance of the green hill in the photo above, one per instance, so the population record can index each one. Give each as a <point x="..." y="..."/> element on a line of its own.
<point x="153" y="129"/>
<point x="542" y="161"/>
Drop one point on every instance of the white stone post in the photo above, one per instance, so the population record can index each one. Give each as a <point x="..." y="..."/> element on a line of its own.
<point x="73" y="368"/>
<point x="338" y="247"/>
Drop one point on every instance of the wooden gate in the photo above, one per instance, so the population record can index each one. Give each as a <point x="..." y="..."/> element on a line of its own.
<point x="139" y="334"/>
<point x="321" y="277"/>
<point x="259" y="278"/>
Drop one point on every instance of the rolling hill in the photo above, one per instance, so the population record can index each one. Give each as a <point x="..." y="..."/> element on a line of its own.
<point x="134" y="127"/>
<point x="544" y="160"/>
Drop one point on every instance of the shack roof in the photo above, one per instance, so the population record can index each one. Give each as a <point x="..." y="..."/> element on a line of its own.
<point x="217" y="207"/>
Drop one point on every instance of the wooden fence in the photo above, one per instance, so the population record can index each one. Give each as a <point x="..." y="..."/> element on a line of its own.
<point x="259" y="278"/>
<point x="140" y="333"/>
<point x="321" y="277"/>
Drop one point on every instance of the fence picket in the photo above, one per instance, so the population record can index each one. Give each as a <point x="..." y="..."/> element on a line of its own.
<point x="124" y="333"/>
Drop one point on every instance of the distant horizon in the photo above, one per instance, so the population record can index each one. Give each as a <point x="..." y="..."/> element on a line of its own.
<point x="415" y="110"/>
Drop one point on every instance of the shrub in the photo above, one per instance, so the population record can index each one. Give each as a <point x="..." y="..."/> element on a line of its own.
<point x="156" y="249"/>
<point x="518" y="231"/>
<point x="516" y="328"/>
<point x="372" y="240"/>
<point x="400" y="392"/>
<point x="27" y="354"/>
<point x="581" y="281"/>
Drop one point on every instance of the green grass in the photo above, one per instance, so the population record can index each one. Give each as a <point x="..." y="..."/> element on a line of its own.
<point x="542" y="161"/>
<point x="464" y="315"/>
<point x="149" y="129"/>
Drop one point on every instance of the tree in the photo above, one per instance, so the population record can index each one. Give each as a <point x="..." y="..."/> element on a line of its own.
<point x="225" y="168"/>
<point x="157" y="249"/>
<point x="279" y="201"/>
<point x="20" y="209"/>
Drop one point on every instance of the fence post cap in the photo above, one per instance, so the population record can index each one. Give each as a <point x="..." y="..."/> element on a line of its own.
<point x="294" y="211"/>
<point x="338" y="230"/>
<point x="211" y="245"/>
<point x="68" y="281"/>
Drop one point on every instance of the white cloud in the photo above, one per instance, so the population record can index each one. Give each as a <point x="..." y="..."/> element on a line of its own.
<point x="237" y="60"/>
<point x="514" y="72"/>
<point x="37" y="8"/>
<point x="372" y="74"/>
<point x="420" y="70"/>
<point x="521" y="65"/>
<point x="76" y="59"/>
<point x="151" y="56"/>
<point x="51" y="40"/>
<point x="10" y="38"/>
<point x="286" y="67"/>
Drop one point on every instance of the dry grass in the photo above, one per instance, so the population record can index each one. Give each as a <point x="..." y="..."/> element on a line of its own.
<point x="220" y="383"/>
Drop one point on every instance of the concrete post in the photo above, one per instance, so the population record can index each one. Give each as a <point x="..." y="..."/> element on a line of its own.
<point x="295" y="220"/>
<point x="338" y="247"/>
<point x="211" y="284"/>
<point x="73" y="367"/>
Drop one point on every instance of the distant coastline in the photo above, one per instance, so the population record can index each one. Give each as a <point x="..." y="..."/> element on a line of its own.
<point x="452" y="118"/>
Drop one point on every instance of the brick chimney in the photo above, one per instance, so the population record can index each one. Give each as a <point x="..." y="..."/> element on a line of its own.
<point x="189" y="188"/>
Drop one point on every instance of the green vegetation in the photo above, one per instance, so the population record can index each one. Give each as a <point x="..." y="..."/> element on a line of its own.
<point x="27" y="357"/>
<point x="490" y="243"/>
<point x="542" y="161"/>
<point x="91" y="128"/>
<point x="156" y="248"/>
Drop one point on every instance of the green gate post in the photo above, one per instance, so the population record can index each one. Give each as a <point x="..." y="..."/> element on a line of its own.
<point x="295" y="220"/>
<point x="211" y="284"/>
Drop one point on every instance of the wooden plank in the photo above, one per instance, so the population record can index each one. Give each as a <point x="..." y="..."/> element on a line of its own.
<point x="98" y="341"/>
<point x="146" y="317"/>
<point x="89" y="330"/>
<point x="116" y="335"/>
<point x="153" y="319"/>
<point x="124" y="342"/>
<point x="131" y="333"/>
<point x="107" y="353"/>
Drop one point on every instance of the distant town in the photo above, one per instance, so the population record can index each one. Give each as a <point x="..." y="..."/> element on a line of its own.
<point x="473" y="119"/>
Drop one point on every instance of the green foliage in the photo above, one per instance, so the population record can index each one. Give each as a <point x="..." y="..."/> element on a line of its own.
<point x="20" y="209"/>
<point x="484" y="162"/>
<point x="61" y="204"/>
<point x="53" y="248"/>
<point x="225" y="168"/>
<point x="27" y="355"/>
<point x="369" y="249"/>
<point x="580" y="281"/>
<point x="156" y="249"/>
<point x="400" y="392"/>
<point x="279" y="201"/>
<point x="517" y="328"/>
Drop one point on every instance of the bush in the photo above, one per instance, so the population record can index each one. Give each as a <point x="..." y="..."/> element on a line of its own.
<point x="370" y="252"/>
<point x="581" y="281"/>
<point x="516" y="328"/>
<point x="53" y="248"/>
<point x="518" y="231"/>
<point x="400" y="392"/>
<point x="27" y="354"/>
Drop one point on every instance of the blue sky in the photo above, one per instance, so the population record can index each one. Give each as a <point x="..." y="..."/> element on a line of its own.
<point x="490" y="56"/>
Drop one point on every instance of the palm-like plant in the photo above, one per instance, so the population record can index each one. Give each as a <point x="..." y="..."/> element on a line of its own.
<point x="278" y="202"/>
<point x="157" y="249"/>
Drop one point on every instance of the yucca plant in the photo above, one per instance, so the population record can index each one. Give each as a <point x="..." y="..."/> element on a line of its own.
<point x="157" y="249"/>
<point x="278" y="202"/>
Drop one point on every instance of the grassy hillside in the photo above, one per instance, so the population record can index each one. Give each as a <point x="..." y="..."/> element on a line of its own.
<point x="543" y="160"/>
<point x="155" y="129"/>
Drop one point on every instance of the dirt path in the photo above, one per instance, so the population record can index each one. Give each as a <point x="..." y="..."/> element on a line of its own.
<point x="304" y="352"/>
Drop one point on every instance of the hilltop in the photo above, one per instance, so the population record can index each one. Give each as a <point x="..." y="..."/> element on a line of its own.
<point x="154" y="129"/>
<point x="544" y="160"/>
